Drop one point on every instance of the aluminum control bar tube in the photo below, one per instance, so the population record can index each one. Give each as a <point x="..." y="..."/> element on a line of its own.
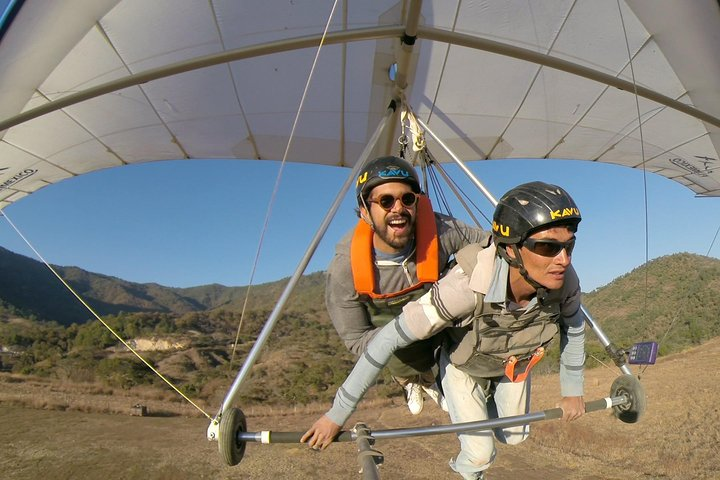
<point x="481" y="425"/>
<point x="604" y="340"/>
<point x="275" y="314"/>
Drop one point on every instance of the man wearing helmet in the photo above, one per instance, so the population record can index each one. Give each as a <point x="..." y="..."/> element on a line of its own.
<point x="396" y="252"/>
<point x="501" y="305"/>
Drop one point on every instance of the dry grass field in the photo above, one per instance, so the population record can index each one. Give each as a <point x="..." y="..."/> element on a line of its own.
<point x="66" y="431"/>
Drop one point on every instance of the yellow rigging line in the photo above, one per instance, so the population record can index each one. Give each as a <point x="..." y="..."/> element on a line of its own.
<point x="90" y="309"/>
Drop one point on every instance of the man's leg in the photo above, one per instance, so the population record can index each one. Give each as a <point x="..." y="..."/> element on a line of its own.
<point x="466" y="403"/>
<point x="413" y="392"/>
<point x="511" y="399"/>
<point x="412" y="369"/>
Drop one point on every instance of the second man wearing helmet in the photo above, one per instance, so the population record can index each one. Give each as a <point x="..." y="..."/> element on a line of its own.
<point x="394" y="254"/>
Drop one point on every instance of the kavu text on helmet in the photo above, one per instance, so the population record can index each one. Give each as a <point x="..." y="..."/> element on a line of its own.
<point x="384" y="170"/>
<point x="530" y="207"/>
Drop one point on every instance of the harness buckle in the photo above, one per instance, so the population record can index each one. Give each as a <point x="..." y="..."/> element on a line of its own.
<point x="529" y="361"/>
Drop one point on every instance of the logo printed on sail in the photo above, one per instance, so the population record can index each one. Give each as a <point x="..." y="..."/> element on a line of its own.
<point x="18" y="177"/>
<point x="685" y="165"/>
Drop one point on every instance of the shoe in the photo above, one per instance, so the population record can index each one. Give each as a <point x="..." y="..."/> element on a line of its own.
<point x="434" y="392"/>
<point x="413" y="395"/>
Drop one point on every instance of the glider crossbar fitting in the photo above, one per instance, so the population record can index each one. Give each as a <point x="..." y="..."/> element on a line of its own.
<point x="627" y="400"/>
<point x="615" y="353"/>
<point x="213" y="430"/>
<point x="368" y="457"/>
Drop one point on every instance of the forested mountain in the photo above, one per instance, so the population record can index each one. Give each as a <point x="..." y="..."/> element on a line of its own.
<point x="29" y="288"/>
<point x="198" y="336"/>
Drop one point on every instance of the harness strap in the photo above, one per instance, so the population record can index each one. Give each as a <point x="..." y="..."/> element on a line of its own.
<point x="426" y="253"/>
<point x="529" y="360"/>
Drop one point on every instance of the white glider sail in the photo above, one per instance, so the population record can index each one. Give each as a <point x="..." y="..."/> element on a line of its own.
<point x="93" y="84"/>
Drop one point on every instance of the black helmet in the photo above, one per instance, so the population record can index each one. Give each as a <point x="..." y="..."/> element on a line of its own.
<point x="530" y="206"/>
<point x="384" y="170"/>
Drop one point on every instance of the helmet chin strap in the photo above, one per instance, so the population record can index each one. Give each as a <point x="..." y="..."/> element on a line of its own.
<point x="369" y="219"/>
<point x="517" y="262"/>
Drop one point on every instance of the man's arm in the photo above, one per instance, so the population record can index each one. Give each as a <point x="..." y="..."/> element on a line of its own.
<point x="392" y="336"/>
<point x="572" y="350"/>
<point x="572" y="356"/>
<point x="572" y="337"/>
<point x="572" y="360"/>
<point x="348" y="315"/>
<point x="449" y="299"/>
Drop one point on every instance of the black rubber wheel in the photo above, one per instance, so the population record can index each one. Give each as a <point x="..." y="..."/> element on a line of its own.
<point x="629" y="386"/>
<point x="231" y="449"/>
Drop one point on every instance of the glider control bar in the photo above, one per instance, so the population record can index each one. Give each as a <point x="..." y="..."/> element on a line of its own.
<point x="480" y="425"/>
<point x="627" y="399"/>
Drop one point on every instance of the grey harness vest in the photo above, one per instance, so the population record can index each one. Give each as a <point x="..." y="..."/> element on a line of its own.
<point x="482" y="344"/>
<point x="382" y="310"/>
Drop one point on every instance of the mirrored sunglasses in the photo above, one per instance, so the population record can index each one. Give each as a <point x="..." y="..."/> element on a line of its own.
<point x="547" y="247"/>
<point x="387" y="202"/>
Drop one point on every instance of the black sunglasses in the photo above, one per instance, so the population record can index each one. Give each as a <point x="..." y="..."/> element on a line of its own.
<point x="387" y="202"/>
<point x="548" y="248"/>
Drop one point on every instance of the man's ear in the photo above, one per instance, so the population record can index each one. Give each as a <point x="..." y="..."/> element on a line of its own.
<point x="365" y="215"/>
<point x="509" y="250"/>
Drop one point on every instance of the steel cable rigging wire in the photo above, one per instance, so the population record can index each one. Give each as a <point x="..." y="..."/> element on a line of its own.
<point x="644" y="179"/>
<point x="276" y="187"/>
<point x="642" y="152"/>
<point x="645" y="197"/>
<point x="713" y="241"/>
<point x="460" y="193"/>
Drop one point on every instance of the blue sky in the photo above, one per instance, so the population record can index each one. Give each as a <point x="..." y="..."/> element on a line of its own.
<point x="187" y="223"/>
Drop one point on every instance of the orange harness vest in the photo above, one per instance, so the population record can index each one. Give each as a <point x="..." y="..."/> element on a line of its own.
<point x="426" y="253"/>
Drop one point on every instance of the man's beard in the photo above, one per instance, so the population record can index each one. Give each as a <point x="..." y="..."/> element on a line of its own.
<point x="397" y="242"/>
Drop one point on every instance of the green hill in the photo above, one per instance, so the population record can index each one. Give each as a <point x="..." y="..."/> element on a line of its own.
<point x="28" y="286"/>
<point x="673" y="299"/>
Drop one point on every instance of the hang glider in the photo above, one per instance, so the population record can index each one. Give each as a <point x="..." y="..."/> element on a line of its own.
<point x="94" y="84"/>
